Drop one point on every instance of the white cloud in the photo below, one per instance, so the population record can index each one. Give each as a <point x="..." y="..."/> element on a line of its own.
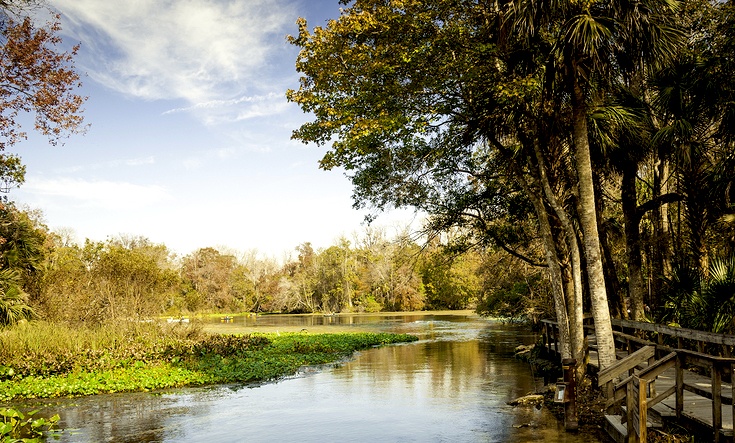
<point x="150" y="160"/>
<point x="192" y="164"/>
<point x="197" y="50"/>
<point x="131" y="162"/>
<point x="226" y="153"/>
<point x="238" y="109"/>
<point x="98" y="193"/>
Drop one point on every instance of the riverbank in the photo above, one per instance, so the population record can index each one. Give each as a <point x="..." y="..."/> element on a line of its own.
<point x="43" y="360"/>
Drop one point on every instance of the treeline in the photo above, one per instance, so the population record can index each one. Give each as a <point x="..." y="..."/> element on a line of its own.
<point x="46" y="274"/>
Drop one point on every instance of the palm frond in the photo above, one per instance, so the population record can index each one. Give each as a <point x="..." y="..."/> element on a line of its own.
<point x="13" y="301"/>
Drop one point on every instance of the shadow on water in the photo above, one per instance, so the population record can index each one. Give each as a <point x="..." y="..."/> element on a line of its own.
<point x="452" y="385"/>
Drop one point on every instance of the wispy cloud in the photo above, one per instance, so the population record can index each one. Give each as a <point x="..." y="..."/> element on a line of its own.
<point x="101" y="194"/>
<point x="238" y="109"/>
<point x="129" y="162"/>
<point x="202" y="51"/>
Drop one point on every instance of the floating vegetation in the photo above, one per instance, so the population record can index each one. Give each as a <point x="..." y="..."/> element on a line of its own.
<point x="151" y="357"/>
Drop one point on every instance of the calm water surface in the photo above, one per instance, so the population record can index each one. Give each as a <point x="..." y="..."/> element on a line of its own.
<point x="451" y="386"/>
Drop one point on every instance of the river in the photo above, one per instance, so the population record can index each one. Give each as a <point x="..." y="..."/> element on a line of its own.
<point x="452" y="385"/>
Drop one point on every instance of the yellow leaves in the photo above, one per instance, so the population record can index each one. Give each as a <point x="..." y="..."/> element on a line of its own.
<point x="518" y="88"/>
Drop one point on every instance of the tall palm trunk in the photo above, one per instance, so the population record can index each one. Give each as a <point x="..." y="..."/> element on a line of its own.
<point x="661" y="256"/>
<point x="588" y="220"/>
<point x="631" y="215"/>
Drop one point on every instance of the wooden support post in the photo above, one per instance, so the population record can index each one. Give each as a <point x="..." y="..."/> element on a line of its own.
<point x="637" y="410"/>
<point x="679" y="385"/>
<point x="716" y="400"/>
<point x="732" y="390"/>
<point x="571" y="422"/>
<point x="652" y="383"/>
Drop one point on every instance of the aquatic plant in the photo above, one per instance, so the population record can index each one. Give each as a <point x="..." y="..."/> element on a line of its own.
<point x="15" y="426"/>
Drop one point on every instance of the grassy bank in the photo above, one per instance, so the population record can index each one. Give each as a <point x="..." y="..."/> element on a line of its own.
<point x="50" y="360"/>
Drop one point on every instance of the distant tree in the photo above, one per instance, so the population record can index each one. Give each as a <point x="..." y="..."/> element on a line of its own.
<point x="336" y="277"/>
<point x="106" y="280"/>
<point x="256" y="281"/>
<point x="451" y="280"/>
<point x="303" y="281"/>
<point x="208" y="273"/>
<point x="66" y="292"/>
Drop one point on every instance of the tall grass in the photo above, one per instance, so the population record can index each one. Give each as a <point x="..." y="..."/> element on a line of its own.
<point x="42" y="348"/>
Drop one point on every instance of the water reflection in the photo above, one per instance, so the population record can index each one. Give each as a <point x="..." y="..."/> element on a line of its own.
<point x="451" y="386"/>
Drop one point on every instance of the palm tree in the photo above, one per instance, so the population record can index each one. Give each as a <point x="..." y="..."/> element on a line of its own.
<point x="13" y="307"/>
<point x="703" y="301"/>
<point x="585" y="38"/>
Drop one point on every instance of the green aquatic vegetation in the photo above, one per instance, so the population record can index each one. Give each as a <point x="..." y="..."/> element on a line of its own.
<point x="185" y="361"/>
<point x="285" y="354"/>
<point x="15" y="426"/>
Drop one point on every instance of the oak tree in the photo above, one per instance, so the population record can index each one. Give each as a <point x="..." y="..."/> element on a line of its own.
<point x="37" y="79"/>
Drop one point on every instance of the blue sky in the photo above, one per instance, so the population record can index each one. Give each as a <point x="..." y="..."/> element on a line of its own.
<point x="189" y="143"/>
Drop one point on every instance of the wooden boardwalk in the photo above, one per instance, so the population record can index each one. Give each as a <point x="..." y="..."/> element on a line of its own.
<point x="684" y="382"/>
<point x="697" y="408"/>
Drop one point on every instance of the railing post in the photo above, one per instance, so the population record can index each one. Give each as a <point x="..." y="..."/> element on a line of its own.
<point x="716" y="400"/>
<point x="569" y="365"/>
<point x="652" y="383"/>
<point x="732" y="387"/>
<point x="545" y="334"/>
<point x="679" y="385"/>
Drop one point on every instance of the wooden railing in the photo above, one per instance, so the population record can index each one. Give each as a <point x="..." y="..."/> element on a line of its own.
<point x="680" y="338"/>
<point x="660" y="355"/>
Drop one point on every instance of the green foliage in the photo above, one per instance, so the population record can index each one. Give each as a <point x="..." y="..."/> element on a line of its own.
<point x="698" y="301"/>
<point x="12" y="172"/>
<point x="512" y="289"/>
<point x="51" y="360"/>
<point x="451" y="281"/>
<point x="127" y="278"/>
<point x="13" y="301"/>
<point x="17" y="427"/>
<point x="221" y="345"/>
<point x="21" y="256"/>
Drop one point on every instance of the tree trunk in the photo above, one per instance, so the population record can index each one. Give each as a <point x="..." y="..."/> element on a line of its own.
<point x="588" y="221"/>
<point x="552" y="260"/>
<point x="631" y="216"/>
<point x="575" y="298"/>
<point x="661" y="257"/>
<point x="618" y="303"/>
<point x="557" y="283"/>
